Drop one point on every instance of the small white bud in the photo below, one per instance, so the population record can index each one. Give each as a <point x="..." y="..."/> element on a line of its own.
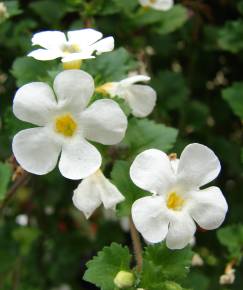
<point x="227" y="278"/>
<point x="124" y="279"/>
<point x="22" y="219"/>
<point x="3" y="11"/>
<point x="197" y="260"/>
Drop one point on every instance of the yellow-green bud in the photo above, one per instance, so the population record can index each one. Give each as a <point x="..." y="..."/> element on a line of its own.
<point x="124" y="279"/>
<point x="170" y="285"/>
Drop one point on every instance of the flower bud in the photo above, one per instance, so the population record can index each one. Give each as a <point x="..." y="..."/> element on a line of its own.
<point x="170" y="285"/>
<point x="124" y="279"/>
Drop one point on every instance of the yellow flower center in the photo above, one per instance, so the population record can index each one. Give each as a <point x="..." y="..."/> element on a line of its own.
<point x="71" y="48"/>
<point x="174" y="201"/>
<point x="152" y="1"/>
<point x="74" y="64"/>
<point x="104" y="89"/>
<point x="66" y="125"/>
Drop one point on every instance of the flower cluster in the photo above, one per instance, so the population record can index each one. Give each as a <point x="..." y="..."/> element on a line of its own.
<point x="67" y="120"/>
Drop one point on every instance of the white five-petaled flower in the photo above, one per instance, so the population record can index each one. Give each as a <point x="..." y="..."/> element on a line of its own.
<point x="140" y="98"/>
<point x="177" y="201"/>
<point x="157" y="4"/>
<point x="79" y="44"/>
<point x="64" y="125"/>
<point x="93" y="191"/>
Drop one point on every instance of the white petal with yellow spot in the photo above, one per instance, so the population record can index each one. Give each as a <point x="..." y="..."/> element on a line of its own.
<point x="65" y="123"/>
<point x="178" y="202"/>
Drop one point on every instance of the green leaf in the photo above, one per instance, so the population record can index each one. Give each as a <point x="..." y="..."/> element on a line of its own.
<point x="50" y="11"/>
<point x="5" y="176"/>
<point x="103" y="268"/>
<point x="172" y="19"/>
<point x="234" y="96"/>
<point x="121" y="178"/>
<point x="232" y="238"/>
<point x="25" y="236"/>
<point x="161" y="264"/>
<point x="230" y="36"/>
<point x="145" y="134"/>
<point x="12" y="8"/>
<point x="23" y="68"/>
<point x="112" y="66"/>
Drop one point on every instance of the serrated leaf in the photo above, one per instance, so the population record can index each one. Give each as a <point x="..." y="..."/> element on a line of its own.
<point x="232" y="238"/>
<point x="121" y="178"/>
<point x="160" y="264"/>
<point x="145" y="134"/>
<point x="5" y="176"/>
<point x="230" y="36"/>
<point x="234" y="96"/>
<point x="103" y="268"/>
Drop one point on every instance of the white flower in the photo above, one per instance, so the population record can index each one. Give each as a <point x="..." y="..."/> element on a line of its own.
<point x="79" y="44"/>
<point x="178" y="202"/>
<point x="22" y="219"/>
<point x="140" y="98"/>
<point x="93" y="191"/>
<point x="227" y="278"/>
<point x="157" y="4"/>
<point x="64" y="125"/>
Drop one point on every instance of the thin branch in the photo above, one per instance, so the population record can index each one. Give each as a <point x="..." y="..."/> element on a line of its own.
<point x="136" y="245"/>
<point x="10" y="193"/>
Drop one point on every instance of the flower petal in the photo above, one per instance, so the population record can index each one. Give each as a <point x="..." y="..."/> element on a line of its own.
<point x="148" y="214"/>
<point x="78" y="56"/>
<point x="74" y="89"/>
<point x="104" y="45"/>
<point x="49" y="39"/>
<point x="208" y="207"/>
<point x="44" y="54"/>
<point x="198" y="166"/>
<point x="86" y="197"/>
<point x="109" y="193"/>
<point x="34" y="103"/>
<point x="134" y="79"/>
<point x="35" y="150"/>
<point x="158" y="4"/>
<point x="151" y="170"/>
<point x="181" y="230"/>
<point x="104" y="122"/>
<point x="141" y="99"/>
<point x="79" y="159"/>
<point x="84" y="37"/>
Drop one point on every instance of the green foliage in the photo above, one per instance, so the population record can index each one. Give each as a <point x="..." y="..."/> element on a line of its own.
<point x="5" y="176"/>
<point x="23" y="68"/>
<point x="112" y="66"/>
<point x="230" y="36"/>
<point x="232" y="238"/>
<point x="144" y="134"/>
<point x="234" y="96"/>
<point x="121" y="178"/>
<point x="25" y="236"/>
<point x="161" y="264"/>
<point x="103" y="268"/>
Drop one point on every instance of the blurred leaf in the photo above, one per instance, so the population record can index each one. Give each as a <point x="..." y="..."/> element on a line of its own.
<point x="162" y="264"/>
<point x="234" y="96"/>
<point x="5" y="176"/>
<point x="103" y="268"/>
<point x="232" y="238"/>
<point x="121" y="178"/>
<point x="25" y="236"/>
<point x="171" y="88"/>
<point x="12" y="8"/>
<point x="112" y="66"/>
<point x="145" y="134"/>
<point x="50" y="11"/>
<point x="23" y="68"/>
<point x="230" y="36"/>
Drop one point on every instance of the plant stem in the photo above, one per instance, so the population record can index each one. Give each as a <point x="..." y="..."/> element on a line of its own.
<point x="136" y="245"/>
<point x="18" y="183"/>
